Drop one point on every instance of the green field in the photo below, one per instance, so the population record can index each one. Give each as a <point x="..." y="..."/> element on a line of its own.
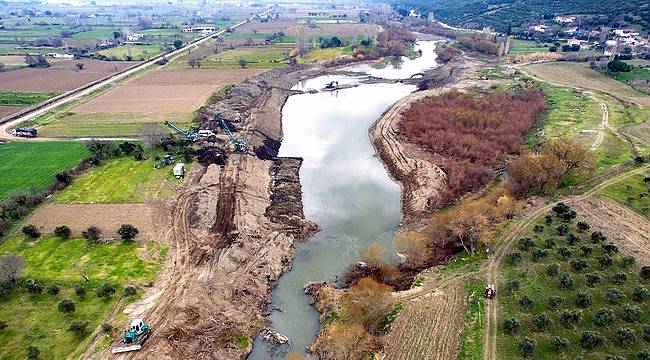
<point x="527" y="46"/>
<point x="569" y="112"/>
<point x="528" y="287"/>
<point x="121" y="181"/>
<point x="326" y="54"/>
<point x="16" y="98"/>
<point x="633" y="192"/>
<point x="263" y="57"/>
<point x="640" y="73"/>
<point x="32" y="165"/>
<point x="11" y="49"/>
<point x="34" y="320"/>
<point x="137" y="52"/>
<point x="95" y="34"/>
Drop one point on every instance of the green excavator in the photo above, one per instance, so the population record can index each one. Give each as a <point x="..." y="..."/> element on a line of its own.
<point x="133" y="337"/>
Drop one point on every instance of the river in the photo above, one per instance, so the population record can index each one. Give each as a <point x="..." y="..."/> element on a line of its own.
<point x="346" y="189"/>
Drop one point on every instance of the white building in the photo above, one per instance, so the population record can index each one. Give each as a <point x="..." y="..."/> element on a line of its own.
<point x="540" y="28"/>
<point x="134" y="37"/>
<point x="565" y="19"/>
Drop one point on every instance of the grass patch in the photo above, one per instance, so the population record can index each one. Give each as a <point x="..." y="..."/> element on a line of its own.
<point x="326" y="54"/>
<point x="471" y="346"/>
<point x="32" y="165"/>
<point x="137" y="52"/>
<point x="632" y="191"/>
<point x="260" y="57"/>
<point x="95" y="34"/>
<point x="120" y="181"/>
<point x="20" y="98"/>
<point x="33" y="319"/>
<point x="640" y="73"/>
<point x="528" y="46"/>
<point x="528" y="287"/>
<point x="612" y="151"/>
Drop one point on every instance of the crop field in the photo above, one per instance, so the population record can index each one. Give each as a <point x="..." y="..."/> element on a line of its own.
<point x="8" y="110"/>
<point x="293" y="28"/>
<point x="18" y="98"/>
<point x="62" y="76"/>
<point x="95" y="34"/>
<point x="527" y="46"/>
<point x="633" y="192"/>
<point x="567" y="291"/>
<point x="33" y="319"/>
<point x="137" y="52"/>
<point x="256" y="58"/>
<point x="15" y="49"/>
<point x="325" y="54"/>
<point x="12" y="60"/>
<point x="575" y="74"/>
<point x="640" y="73"/>
<point x="31" y="165"/>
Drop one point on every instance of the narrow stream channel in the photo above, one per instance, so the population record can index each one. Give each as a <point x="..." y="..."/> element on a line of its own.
<point x="346" y="189"/>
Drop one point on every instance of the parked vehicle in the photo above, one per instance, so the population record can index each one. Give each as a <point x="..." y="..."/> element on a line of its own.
<point x="24" y="132"/>
<point x="179" y="170"/>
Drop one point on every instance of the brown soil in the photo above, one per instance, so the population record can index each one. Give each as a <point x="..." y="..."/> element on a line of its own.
<point x="10" y="109"/>
<point x="225" y="253"/>
<point x="620" y="224"/>
<point x="212" y="77"/>
<point x="108" y="217"/>
<point x="62" y="76"/>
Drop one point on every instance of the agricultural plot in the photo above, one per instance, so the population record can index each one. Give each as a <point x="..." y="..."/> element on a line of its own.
<point x="12" y="60"/>
<point x="575" y="74"/>
<point x="62" y="76"/>
<point x="633" y="192"/>
<point x="17" y="98"/>
<point x="33" y="318"/>
<point x="527" y="46"/>
<point x="8" y="110"/>
<point x="325" y="54"/>
<point x="256" y="58"/>
<point x="134" y="52"/>
<point x="29" y="165"/>
<point x="567" y="291"/>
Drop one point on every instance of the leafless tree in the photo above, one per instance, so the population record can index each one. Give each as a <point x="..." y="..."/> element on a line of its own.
<point x="152" y="135"/>
<point x="79" y="66"/>
<point x="11" y="265"/>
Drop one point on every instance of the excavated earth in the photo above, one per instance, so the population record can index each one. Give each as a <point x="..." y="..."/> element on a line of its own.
<point x="231" y="233"/>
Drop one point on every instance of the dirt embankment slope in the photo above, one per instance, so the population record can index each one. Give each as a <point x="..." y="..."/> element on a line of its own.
<point x="229" y="241"/>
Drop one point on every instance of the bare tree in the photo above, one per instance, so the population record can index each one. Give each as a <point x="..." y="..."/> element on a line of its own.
<point x="243" y="63"/>
<point x="153" y="135"/>
<point x="79" y="66"/>
<point x="11" y="265"/>
<point x="36" y="61"/>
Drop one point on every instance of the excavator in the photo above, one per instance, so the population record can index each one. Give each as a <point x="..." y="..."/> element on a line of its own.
<point x="239" y="143"/>
<point x="133" y="337"/>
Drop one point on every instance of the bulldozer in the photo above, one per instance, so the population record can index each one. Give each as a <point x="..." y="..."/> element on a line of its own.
<point x="133" y="337"/>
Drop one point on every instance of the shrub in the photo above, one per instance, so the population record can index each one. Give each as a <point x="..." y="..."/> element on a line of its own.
<point x="91" y="234"/>
<point x="526" y="244"/>
<point x="552" y="270"/>
<point x="3" y="324"/>
<point x="572" y="239"/>
<point x="624" y="336"/>
<point x="613" y="357"/>
<point x="539" y="254"/>
<point x="526" y="303"/>
<point x="604" y="316"/>
<point x="548" y="219"/>
<point x="570" y="317"/>
<point x="605" y="261"/>
<point x="549" y="243"/>
<point x="610" y="248"/>
<point x="62" y="232"/>
<point x="555" y="301"/>
<point x="33" y="287"/>
<point x="31" y="231"/>
<point x="628" y="261"/>
<point x="78" y="327"/>
<point x="526" y="347"/>
<point x="559" y="343"/>
<point x="614" y="296"/>
<point x="33" y="352"/>
<point x="583" y="299"/>
<point x="515" y="257"/>
<point x="582" y="226"/>
<point x="563" y="229"/>
<point x="564" y="252"/>
<point x="511" y="286"/>
<point x="106" y="328"/>
<point x="639" y="293"/>
<point x="619" y="278"/>
<point x="586" y="250"/>
<point x="67" y="306"/>
<point x="538" y="228"/>
<point x="597" y="237"/>
<point x="631" y="313"/>
<point x="561" y="208"/>
<point x="127" y="231"/>
<point x="53" y="289"/>
<point x="566" y="281"/>
<point x="645" y="272"/>
<point x="645" y="328"/>
<point x="578" y="264"/>
<point x="80" y="291"/>
<point x="130" y="291"/>
<point x="64" y="177"/>
<point x="568" y="216"/>
<point x="105" y="290"/>
<point x="591" y="340"/>
<point x="542" y="321"/>
<point x="592" y="279"/>
<point x="511" y="325"/>
<point x="643" y="355"/>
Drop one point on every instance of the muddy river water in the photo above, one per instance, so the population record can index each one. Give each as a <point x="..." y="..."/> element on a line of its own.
<point x="346" y="189"/>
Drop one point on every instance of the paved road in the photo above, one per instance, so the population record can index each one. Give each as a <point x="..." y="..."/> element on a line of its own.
<point x="5" y="128"/>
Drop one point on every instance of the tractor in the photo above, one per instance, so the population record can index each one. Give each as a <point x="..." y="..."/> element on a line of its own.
<point x="134" y="337"/>
<point x="166" y="160"/>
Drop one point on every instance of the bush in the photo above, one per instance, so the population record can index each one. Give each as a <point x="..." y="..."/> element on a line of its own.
<point x="511" y="325"/>
<point x="106" y="328"/>
<point x="31" y="231"/>
<point x="628" y="261"/>
<point x="559" y="343"/>
<point x="597" y="237"/>
<point x="582" y="226"/>
<point x="631" y="313"/>
<point x="33" y="287"/>
<point x="92" y="234"/>
<point x="605" y="261"/>
<point x="553" y="270"/>
<point x="33" y="353"/>
<point x="614" y="296"/>
<point x="578" y="264"/>
<point x="592" y="279"/>
<point x="566" y="281"/>
<point x="591" y="340"/>
<point x="568" y="216"/>
<point x="62" y="232"/>
<point x="538" y="228"/>
<point x="67" y="306"/>
<point x="542" y="321"/>
<point x="511" y="286"/>
<point x="80" y="291"/>
<point x="570" y="317"/>
<point x="624" y="336"/>
<point x="586" y="250"/>
<point x="127" y="231"/>
<point x="610" y="248"/>
<point x="645" y="272"/>
<point x="64" y="177"/>
<point x="105" y="290"/>
<point x="539" y="254"/>
<point x="548" y="219"/>
<point x="572" y="239"/>
<point x="3" y="325"/>
<point x="549" y="243"/>
<point x="515" y="257"/>
<point x="643" y="355"/>
<point x="563" y="229"/>
<point x="130" y="291"/>
<point x="555" y="301"/>
<point x="583" y="299"/>
<point x="645" y="328"/>
<point x="604" y="316"/>
<point x="527" y="347"/>
<point x="53" y="289"/>
<point x="564" y="252"/>
<point x="526" y="244"/>
<point x="561" y="208"/>
<point x="619" y="278"/>
<point x="639" y="293"/>
<point x="78" y="327"/>
<point x="526" y="303"/>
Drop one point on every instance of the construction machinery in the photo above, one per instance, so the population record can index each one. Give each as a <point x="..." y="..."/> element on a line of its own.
<point x="133" y="337"/>
<point x="239" y="143"/>
<point x="332" y="85"/>
<point x="166" y="160"/>
<point x="192" y="134"/>
<point x="490" y="291"/>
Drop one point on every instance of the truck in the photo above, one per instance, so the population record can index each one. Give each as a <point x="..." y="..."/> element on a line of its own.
<point x="24" y="132"/>
<point x="179" y="170"/>
<point x="133" y="337"/>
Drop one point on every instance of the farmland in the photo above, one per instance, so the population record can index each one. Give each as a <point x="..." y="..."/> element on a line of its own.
<point x="266" y="57"/>
<point x="16" y="98"/>
<point x="26" y="166"/>
<point x="134" y="52"/>
<point x="632" y="192"/>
